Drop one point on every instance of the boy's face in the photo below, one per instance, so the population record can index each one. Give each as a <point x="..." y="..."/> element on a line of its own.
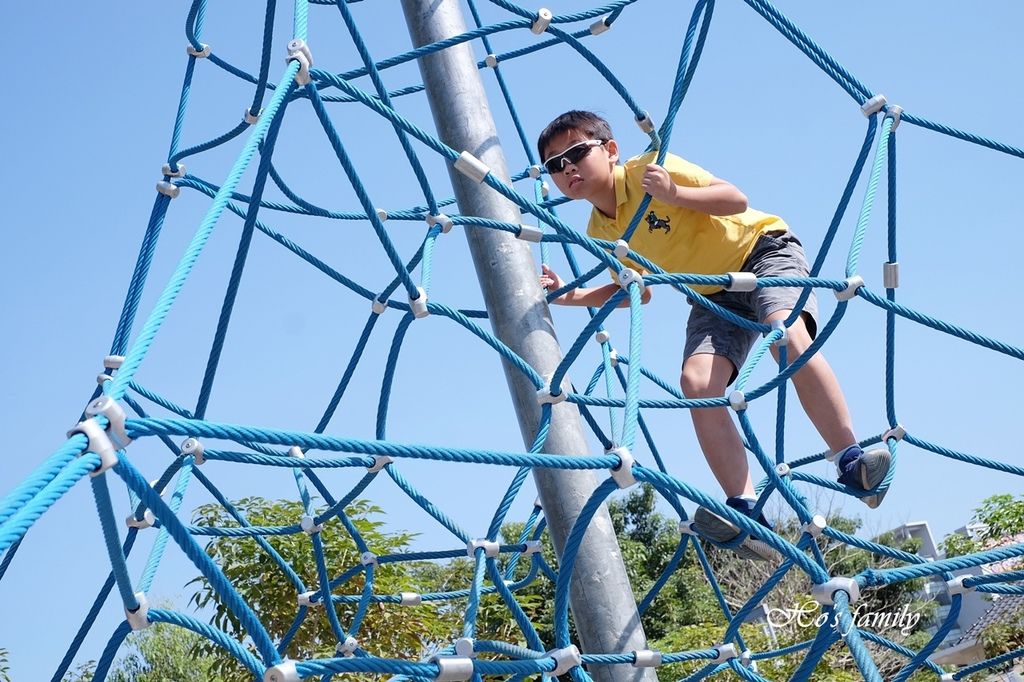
<point x="592" y="175"/>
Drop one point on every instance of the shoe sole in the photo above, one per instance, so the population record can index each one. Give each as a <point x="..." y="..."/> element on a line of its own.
<point x="713" y="527"/>
<point x="874" y="465"/>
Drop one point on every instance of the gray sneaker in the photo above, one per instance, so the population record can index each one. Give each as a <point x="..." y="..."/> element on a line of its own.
<point x="713" y="527"/>
<point x="872" y="468"/>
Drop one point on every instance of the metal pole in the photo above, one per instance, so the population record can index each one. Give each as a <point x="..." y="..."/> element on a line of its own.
<point x="603" y="606"/>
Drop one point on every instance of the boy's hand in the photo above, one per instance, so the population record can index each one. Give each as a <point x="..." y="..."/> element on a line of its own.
<point x="658" y="183"/>
<point x="550" y="280"/>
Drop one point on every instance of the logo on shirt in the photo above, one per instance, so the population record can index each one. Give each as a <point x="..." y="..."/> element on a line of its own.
<point x="656" y="223"/>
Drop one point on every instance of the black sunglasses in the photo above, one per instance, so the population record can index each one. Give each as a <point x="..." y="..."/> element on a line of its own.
<point x="573" y="155"/>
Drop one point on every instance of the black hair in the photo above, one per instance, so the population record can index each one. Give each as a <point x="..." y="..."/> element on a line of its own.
<point x="587" y="122"/>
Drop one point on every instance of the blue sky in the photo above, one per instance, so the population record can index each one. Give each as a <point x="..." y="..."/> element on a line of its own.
<point x="89" y="129"/>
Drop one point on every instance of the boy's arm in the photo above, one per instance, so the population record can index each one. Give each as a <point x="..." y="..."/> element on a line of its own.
<point x="592" y="297"/>
<point x="718" y="198"/>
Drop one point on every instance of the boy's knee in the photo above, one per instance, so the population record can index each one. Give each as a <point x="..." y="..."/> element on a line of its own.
<point x="699" y="381"/>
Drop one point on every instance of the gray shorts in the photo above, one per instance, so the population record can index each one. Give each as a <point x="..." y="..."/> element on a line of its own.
<point x="774" y="255"/>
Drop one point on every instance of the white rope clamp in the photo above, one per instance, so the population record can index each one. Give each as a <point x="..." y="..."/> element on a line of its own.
<point x="613" y="357"/>
<point x="138" y="618"/>
<point x="168" y="189"/>
<point x="623" y="473"/>
<point x="565" y="659"/>
<point x="825" y="593"/>
<point x="491" y="60"/>
<point x="472" y="167"/>
<point x="956" y="585"/>
<point x="282" y="672"/>
<point x="816" y="526"/>
<point x="686" y="528"/>
<point x="309" y="525"/>
<point x="113" y="361"/>
<point x="628" y="276"/>
<point x="852" y="285"/>
<point x="780" y="325"/>
<point x="645" y="123"/>
<point x="543" y="20"/>
<point x="251" y="118"/>
<point x="296" y="451"/>
<point x="418" y="305"/>
<point x="103" y="442"/>
<point x="645" y="658"/>
<point x="599" y="26"/>
<point x="530" y="233"/>
<point x="741" y="281"/>
<point x="532" y="547"/>
<point x="545" y="189"/>
<point x="464" y="647"/>
<point x="368" y="558"/>
<point x="192" y="446"/>
<point x="621" y="248"/>
<point x="201" y="53"/>
<point x="783" y="469"/>
<point x="378" y="306"/>
<point x="534" y="171"/>
<point x="180" y="173"/>
<point x="298" y="51"/>
<point x="452" y="668"/>
<point x="103" y="378"/>
<point x="895" y="112"/>
<point x="347" y="649"/>
<point x="947" y="677"/>
<point x="411" y="599"/>
<point x="602" y="336"/>
<point x="440" y="219"/>
<point x="147" y="520"/>
<point x="897" y="432"/>
<point x="491" y="549"/>
<point x="873" y="105"/>
<point x="725" y="653"/>
<point x="891" y="275"/>
<point x="737" y="401"/>
<point x="306" y="598"/>
<point x="379" y="462"/>
<point x="544" y="395"/>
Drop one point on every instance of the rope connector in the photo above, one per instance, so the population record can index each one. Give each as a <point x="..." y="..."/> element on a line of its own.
<point x="382" y="215"/>
<point x="379" y="462"/>
<point x="645" y="658"/>
<point x="368" y="559"/>
<point x="613" y="357"/>
<point x="947" y="677"/>
<point x="621" y="248"/>
<point x="599" y="26"/>
<point x="282" y="672"/>
<point x="168" y="189"/>
<point x="544" y="395"/>
<point x="603" y="336"/>
<point x="891" y="275"/>
<point x="491" y="60"/>
<point x="440" y="219"/>
<point x="816" y="526"/>
<point x="472" y="167"/>
<point x="452" y="668"/>
<point x="628" y="276"/>
<point x="491" y="549"/>
<point x="645" y="123"/>
<point x="543" y="20"/>
<point x="298" y="51"/>
<point x="464" y="647"/>
<point x="532" y="547"/>
<point x="534" y="171"/>
<point x="306" y="599"/>
<point x="309" y="525"/>
<point x="873" y="106"/>
<point x="378" y="306"/>
<point x="530" y="233"/>
<point x="783" y="469"/>
<point x="115" y="432"/>
<point x="411" y="599"/>
<point x="296" y="451"/>
<point x="895" y="112"/>
<point x="251" y="118"/>
<point x="192" y="446"/>
<point x="825" y="593"/>
<point x="103" y="378"/>
<point x="780" y="325"/>
<point x="147" y="520"/>
<point x="565" y="659"/>
<point x="897" y="433"/>
<point x="180" y="173"/>
<point x="418" y="305"/>
<point x="201" y="53"/>
<point x="347" y="649"/>
<point x="623" y="473"/>
<point x="686" y="528"/>
<point x="852" y="285"/>
<point x="545" y="189"/>
<point x="956" y="585"/>
<point x="139" y="618"/>
<point x="113" y="361"/>
<point x="737" y="401"/>
<point x="725" y="652"/>
<point x="741" y="281"/>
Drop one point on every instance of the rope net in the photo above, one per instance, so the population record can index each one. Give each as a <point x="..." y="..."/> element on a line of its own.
<point x="333" y="99"/>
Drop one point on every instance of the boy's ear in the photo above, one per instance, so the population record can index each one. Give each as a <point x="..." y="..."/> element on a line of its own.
<point x="613" y="150"/>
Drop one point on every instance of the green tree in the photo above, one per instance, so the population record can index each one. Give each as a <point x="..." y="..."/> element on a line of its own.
<point x="5" y="670"/>
<point x="389" y="630"/>
<point x="1002" y="518"/>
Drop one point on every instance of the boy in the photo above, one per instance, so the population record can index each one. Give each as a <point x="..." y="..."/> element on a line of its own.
<point x="698" y="223"/>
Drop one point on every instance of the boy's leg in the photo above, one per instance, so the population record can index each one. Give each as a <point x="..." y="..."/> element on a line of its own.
<point x="706" y="375"/>
<point x="817" y="387"/>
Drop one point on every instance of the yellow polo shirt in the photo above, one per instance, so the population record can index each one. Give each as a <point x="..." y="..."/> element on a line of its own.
<point x="680" y="240"/>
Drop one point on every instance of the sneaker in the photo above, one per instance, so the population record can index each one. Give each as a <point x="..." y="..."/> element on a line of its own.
<point x="713" y="527"/>
<point x="864" y="471"/>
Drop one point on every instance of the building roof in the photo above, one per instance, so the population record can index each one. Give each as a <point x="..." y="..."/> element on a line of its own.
<point x="1005" y="608"/>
